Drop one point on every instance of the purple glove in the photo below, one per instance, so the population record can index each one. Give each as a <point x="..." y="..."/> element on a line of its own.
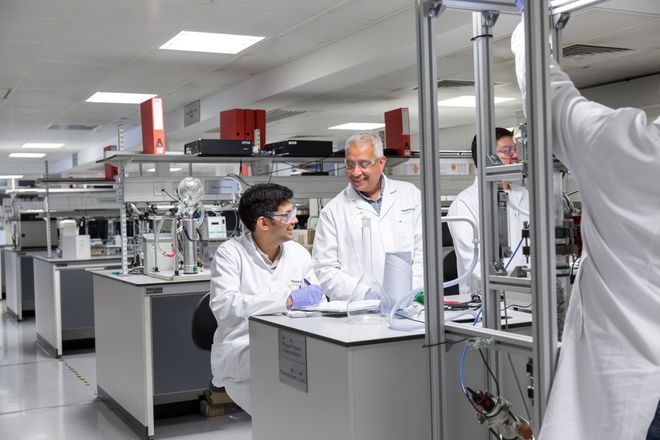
<point x="520" y="4"/>
<point x="307" y="296"/>
<point x="372" y="295"/>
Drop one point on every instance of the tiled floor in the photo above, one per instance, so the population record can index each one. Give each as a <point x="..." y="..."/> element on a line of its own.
<point x="42" y="398"/>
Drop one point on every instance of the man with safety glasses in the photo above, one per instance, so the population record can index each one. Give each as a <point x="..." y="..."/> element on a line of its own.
<point x="262" y="271"/>
<point x="391" y="208"/>
<point x="466" y="204"/>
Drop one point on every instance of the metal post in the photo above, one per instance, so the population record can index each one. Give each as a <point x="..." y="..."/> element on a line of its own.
<point x="47" y="210"/>
<point x="482" y="28"/>
<point x="119" y="186"/>
<point x="483" y="23"/>
<point x="558" y="23"/>
<point x="542" y="219"/>
<point x="426" y="12"/>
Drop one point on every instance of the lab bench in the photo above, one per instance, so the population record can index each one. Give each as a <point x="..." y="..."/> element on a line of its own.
<point x="19" y="281"/>
<point x="64" y="300"/>
<point x="145" y="356"/>
<point x="327" y="378"/>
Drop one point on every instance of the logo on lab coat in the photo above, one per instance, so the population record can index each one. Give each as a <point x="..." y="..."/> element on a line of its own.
<point x="360" y="214"/>
<point x="295" y="284"/>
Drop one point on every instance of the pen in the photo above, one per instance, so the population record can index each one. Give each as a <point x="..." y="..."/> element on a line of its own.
<point x="307" y="283"/>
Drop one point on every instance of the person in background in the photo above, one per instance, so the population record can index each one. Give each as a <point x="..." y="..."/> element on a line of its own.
<point x="262" y="271"/>
<point x="607" y="384"/>
<point x="392" y="209"/>
<point x="466" y="204"/>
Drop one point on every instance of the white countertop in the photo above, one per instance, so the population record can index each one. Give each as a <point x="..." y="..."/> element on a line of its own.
<point x="340" y="330"/>
<point x="143" y="280"/>
<point x="343" y="332"/>
<point x="82" y="261"/>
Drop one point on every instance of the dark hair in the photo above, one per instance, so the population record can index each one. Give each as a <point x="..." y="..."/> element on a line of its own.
<point x="499" y="133"/>
<point x="259" y="199"/>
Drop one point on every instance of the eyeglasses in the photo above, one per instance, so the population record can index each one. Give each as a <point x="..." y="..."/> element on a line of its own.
<point x="362" y="164"/>
<point x="507" y="150"/>
<point x="286" y="216"/>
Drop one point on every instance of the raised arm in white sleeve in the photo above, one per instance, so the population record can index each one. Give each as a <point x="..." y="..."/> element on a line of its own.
<point x="338" y="285"/>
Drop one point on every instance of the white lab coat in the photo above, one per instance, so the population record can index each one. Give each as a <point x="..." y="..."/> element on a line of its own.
<point x="607" y="384"/>
<point x="243" y="285"/>
<point x="466" y="204"/>
<point x="339" y="252"/>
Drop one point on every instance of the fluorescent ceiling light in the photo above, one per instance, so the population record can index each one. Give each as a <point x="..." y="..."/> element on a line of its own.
<point x="468" y="101"/>
<point x="12" y="176"/>
<point x="42" y="145"/>
<point x="120" y="98"/>
<point x="172" y="169"/>
<point x="28" y="155"/>
<point x="357" y="126"/>
<point x="210" y="42"/>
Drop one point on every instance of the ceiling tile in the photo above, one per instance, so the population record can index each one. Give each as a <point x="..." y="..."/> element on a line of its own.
<point x="70" y="71"/>
<point x="93" y="113"/>
<point x="272" y="53"/>
<point x="329" y="27"/>
<point x="27" y="29"/>
<point x="64" y="84"/>
<point x="11" y="72"/>
<point x="645" y="35"/>
<point x="372" y="9"/>
<point x="19" y="50"/>
<point x="175" y="74"/>
<point x="117" y="84"/>
<point x="167" y="58"/>
<point x="37" y="8"/>
<point x="141" y="12"/>
<point x="241" y="20"/>
<point x="205" y="86"/>
<point x="293" y="5"/>
<point x="45" y="99"/>
<point x="586" y="25"/>
<point x="81" y="53"/>
<point x="103" y="35"/>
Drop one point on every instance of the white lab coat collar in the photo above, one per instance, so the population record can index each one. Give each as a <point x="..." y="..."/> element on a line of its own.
<point x="388" y="198"/>
<point x="257" y="254"/>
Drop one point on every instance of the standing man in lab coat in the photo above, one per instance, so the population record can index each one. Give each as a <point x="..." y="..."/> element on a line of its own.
<point x="262" y="271"/>
<point x="607" y="384"/>
<point x="390" y="208"/>
<point x="466" y="204"/>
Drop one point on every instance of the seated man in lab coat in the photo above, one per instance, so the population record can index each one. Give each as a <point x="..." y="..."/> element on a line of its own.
<point x="390" y="207"/>
<point x="262" y="271"/>
<point x="466" y="204"/>
<point x="607" y="384"/>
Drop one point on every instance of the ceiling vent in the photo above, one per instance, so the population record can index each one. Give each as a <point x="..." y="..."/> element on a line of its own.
<point x="278" y="114"/>
<point x="452" y="83"/>
<point x="78" y="127"/>
<point x="4" y="93"/>
<point x="586" y="49"/>
<point x="449" y="83"/>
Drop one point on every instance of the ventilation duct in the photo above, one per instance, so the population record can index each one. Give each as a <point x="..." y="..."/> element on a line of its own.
<point x="577" y="50"/>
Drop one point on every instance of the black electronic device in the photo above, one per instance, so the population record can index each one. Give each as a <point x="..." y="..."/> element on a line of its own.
<point x="219" y="147"/>
<point x="300" y="148"/>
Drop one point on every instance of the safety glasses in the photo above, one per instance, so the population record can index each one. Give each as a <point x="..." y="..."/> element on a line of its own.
<point x="285" y="217"/>
<point x="362" y="164"/>
<point x="507" y="150"/>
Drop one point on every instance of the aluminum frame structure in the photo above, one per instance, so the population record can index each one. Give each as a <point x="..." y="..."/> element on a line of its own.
<point x="542" y="345"/>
